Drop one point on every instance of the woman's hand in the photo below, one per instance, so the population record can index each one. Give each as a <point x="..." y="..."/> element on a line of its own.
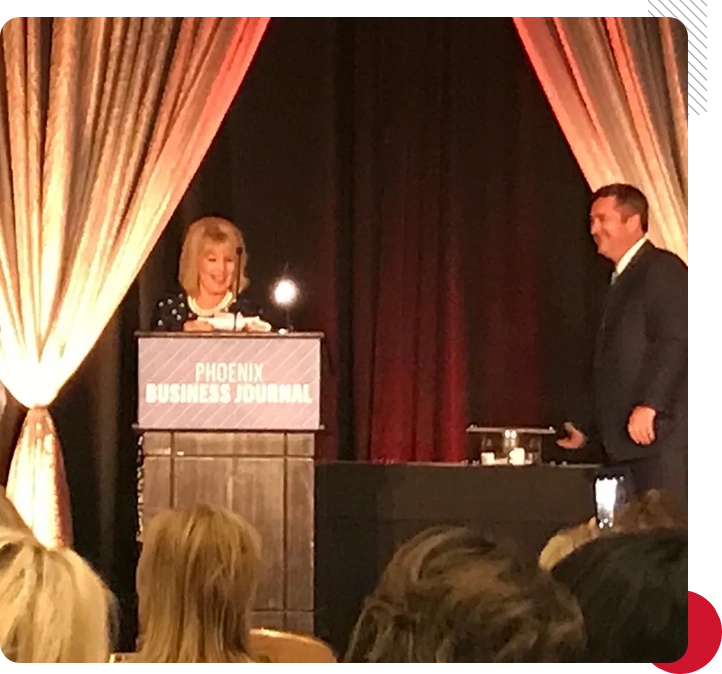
<point x="197" y="326"/>
<point x="256" y="324"/>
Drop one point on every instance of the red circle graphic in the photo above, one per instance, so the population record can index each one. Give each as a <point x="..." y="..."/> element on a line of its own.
<point x="705" y="635"/>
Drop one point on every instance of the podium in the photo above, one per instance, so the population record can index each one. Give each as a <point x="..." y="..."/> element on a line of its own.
<point x="229" y="419"/>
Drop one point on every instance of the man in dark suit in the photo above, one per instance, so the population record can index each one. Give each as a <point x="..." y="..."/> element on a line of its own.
<point x="640" y="362"/>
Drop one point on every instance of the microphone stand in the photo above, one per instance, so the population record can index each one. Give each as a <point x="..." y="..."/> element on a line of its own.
<point x="239" y="271"/>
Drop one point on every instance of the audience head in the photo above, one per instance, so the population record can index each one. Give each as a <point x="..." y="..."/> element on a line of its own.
<point x="9" y="517"/>
<point x="632" y="589"/>
<point x="53" y="607"/>
<point x="209" y="257"/>
<point x="645" y="512"/>
<point x="196" y="581"/>
<point x="449" y="595"/>
<point x="653" y="509"/>
<point x="565" y="542"/>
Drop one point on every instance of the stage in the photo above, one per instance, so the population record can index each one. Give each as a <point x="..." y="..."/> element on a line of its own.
<point x="365" y="511"/>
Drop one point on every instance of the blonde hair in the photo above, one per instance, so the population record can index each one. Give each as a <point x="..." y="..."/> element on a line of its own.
<point x="196" y="580"/>
<point x="653" y="509"/>
<point x="566" y="541"/>
<point x="215" y="230"/>
<point x="648" y="511"/>
<point x="9" y="516"/>
<point x="449" y="595"/>
<point x="53" y="606"/>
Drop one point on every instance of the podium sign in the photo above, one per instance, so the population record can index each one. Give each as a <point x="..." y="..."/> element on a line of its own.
<point x="229" y="381"/>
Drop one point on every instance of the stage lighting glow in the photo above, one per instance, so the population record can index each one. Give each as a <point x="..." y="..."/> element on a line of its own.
<point x="285" y="293"/>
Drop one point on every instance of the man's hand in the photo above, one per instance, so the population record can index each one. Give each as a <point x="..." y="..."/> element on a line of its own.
<point x="575" y="438"/>
<point x="641" y="425"/>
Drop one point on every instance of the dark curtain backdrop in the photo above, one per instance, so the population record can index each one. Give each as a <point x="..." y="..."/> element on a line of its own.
<point x="407" y="364"/>
<point x="412" y="175"/>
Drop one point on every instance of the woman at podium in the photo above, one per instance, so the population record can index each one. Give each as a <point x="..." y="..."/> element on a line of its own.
<point x="212" y="275"/>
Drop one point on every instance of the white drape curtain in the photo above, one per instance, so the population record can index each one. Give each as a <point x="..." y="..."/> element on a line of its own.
<point x="103" y="122"/>
<point x="618" y="89"/>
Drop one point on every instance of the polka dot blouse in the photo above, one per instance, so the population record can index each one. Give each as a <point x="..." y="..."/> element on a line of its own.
<point x="173" y="311"/>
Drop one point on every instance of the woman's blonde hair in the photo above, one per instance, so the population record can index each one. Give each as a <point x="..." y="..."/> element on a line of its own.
<point x="449" y="595"/>
<point x="648" y="511"/>
<point x="53" y="606"/>
<point x="566" y="541"/>
<point x="651" y="510"/>
<point x="196" y="580"/>
<point x="215" y="230"/>
<point x="9" y="516"/>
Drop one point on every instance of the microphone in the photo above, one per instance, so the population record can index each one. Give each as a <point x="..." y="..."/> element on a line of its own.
<point x="239" y="272"/>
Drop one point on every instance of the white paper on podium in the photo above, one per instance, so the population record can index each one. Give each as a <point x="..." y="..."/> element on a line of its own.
<point x="233" y="322"/>
<point x="225" y="322"/>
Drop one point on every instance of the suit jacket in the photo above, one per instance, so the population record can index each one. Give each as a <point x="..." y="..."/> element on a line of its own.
<point x="641" y="354"/>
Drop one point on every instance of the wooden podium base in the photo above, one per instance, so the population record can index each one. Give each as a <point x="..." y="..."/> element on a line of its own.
<point x="267" y="478"/>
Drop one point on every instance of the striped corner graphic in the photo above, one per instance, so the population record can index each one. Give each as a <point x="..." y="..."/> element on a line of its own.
<point x="693" y="14"/>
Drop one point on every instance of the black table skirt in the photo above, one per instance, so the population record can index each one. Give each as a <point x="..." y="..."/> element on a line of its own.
<point x="365" y="511"/>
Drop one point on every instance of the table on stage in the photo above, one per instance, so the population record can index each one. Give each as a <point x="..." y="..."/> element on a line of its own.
<point x="365" y="511"/>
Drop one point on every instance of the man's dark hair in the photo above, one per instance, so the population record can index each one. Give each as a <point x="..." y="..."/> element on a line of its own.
<point x="630" y="199"/>
<point x="632" y="589"/>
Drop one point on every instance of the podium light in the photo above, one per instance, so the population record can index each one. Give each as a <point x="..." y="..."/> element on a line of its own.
<point x="285" y="294"/>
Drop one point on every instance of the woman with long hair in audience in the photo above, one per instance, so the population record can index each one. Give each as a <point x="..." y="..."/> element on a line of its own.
<point x="196" y="580"/>
<point x="632" y="589"/>
<point x="53" y="606"/>
<point x="449" y="595"/>
<point x="566" y="541"/>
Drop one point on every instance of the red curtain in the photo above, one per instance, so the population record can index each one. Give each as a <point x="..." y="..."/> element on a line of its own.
<point x="433" y="213"/>
<point x="409" y="353"/>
